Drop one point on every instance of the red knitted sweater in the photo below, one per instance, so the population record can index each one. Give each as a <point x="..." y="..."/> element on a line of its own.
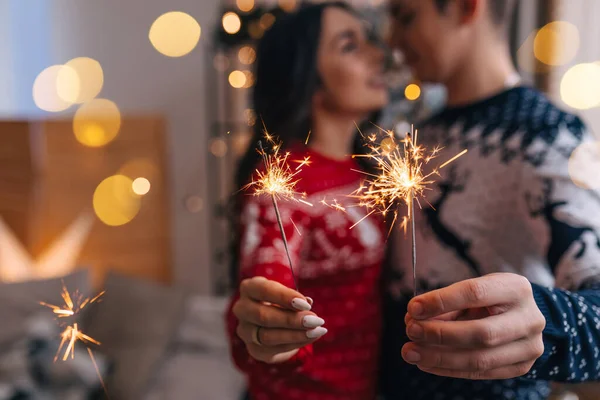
<point x="337" y="266"/>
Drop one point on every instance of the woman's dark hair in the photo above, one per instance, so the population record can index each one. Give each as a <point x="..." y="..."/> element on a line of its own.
<point x="286" y="81"/>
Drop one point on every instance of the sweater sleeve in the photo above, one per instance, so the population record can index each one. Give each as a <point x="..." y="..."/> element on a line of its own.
<point x="564" y="219"/>
<point x="262" y="254"/>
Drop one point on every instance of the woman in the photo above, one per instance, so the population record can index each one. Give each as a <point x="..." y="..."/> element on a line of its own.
<point x="317" y="72"/>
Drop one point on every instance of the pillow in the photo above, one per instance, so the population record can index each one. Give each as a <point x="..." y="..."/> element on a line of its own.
<point x="135" y="323"/>
<point x="19" y="301"/>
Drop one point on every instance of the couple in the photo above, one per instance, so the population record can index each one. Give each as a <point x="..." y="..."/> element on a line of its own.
<point x="509" y="254"/>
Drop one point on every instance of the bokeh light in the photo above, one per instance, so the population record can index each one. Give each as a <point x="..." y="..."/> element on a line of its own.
<point x="412" y="91"/>
<point x="247" y="55"/>
<point x="584" y="165"/>
<point x="221" y="62"/>
<point x="249" y="79"/>
<point x="218" y="147"/>
<point x="97" y="123"/>
<point x="255" y="30"/>
<point x="140" y="186"/>
<point x="231" y="23"/>
<point x="245" y="5"/>
<point x="46" y="92"/>
<point x="556" y="43"/>
<point x="115" y="203"/>
<point x="240" y="142"/>
<point x="237" y="79"/>
<point x="250" y="116"/>
<point x="140" y="167"/>
<point x="175" y="34"/>
<point x="194" y="204"/>
<point x="266" y="21"/>
<point x="85" y="84"/>
<point x="388" y="145"/>
<point x="580" y="86"/>
<point x="288" y="5"/>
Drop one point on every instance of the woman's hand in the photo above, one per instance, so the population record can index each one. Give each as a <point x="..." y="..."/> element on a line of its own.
<point x="274" y="320"/>
<point x="483" y="328"/>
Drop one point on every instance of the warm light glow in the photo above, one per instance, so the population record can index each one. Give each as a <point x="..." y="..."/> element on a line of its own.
<point x="140" y="167"/>
<point x="245" y="5"/>
<point x="115" y="202"/>
<point x="221" y="62"/>
<point x="97" y="123"/>
<point x="584" y="165"/>
<point x="194" y="204"/>
<point x="266" y="21"/>
<point x="249" y="79"/>
<point x="247" y="55"/>
<point x="580" y="86"/>
<point x="250" y="116"/>
<point x="46" y="88"/>
<point x="255" y="30"/>
<point x="141" y="186"/>
<point x="85" y="84"/>
<point x="412" y="92"/>
<point x="237" y="79"/>
<point x="175" y="34"/>
<point x="556" y="43"/>
<point x="218" y="148"/>
<point x="231" y="23"/>
<point x="288" y="5"/>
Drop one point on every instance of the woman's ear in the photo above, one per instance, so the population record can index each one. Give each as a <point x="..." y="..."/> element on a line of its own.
<point x="468" y="10"/>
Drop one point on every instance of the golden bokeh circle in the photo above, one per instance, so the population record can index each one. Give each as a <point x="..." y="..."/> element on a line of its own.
<point x="97" y="123"/>
<point x="85" y="84"/>
<point x="46" y="88"/>
<point x="175" y="34"/>
<point x="247" y="55"/>
<point x="556" y="43"/>
<point x="288" y="5"/>
<point x="218" y="147"/>
<point x="141" y="186"/>
<point x="412" y="92"/>
<point x="237" y="79"/>
<point x="115" y="202"/>
<point x="245" y="5"/>
<point x="580" y="86"/>
<point x="231" y="23"/>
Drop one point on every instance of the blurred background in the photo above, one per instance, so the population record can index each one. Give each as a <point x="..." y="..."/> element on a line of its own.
<point x="120" y="126"/>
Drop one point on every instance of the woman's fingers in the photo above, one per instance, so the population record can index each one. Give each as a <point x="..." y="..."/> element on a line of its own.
<point x="263" y="290"/>
<point x="268" y="316"/>
<point x="273" y="337"/>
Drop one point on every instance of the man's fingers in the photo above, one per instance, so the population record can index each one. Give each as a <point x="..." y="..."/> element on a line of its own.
<point x="469" y="360"/>
<point x="487" y="332"/>
<point x="485" y="291"/>
<point x="264" y="290"/>
<point x="512" y="371"/>
<point x="256" y="313"/>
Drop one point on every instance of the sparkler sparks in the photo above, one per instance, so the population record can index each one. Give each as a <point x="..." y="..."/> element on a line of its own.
<point x="71" y="334"/>
<point x="279" y="181"/>
<point x="401" y="179"/>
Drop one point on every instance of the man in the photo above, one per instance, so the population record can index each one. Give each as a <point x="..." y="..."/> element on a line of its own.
<point x="504" y="211"/>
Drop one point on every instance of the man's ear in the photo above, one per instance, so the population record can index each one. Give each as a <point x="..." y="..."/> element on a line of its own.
<point x="469" y="9"/>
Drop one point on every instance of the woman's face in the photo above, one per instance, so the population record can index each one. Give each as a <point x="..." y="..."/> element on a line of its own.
<point x="350" y="66"/>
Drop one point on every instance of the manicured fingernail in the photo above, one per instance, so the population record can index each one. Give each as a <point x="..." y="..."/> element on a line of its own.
<point x="300" y="304"/>
<point x="312" y="321"/>
<point x="412" y="356"/>
<point x="415" y="309"/>
<point x="310" y="300"/>
<point x="415" y="331"/>
<point x="316" y="333"/>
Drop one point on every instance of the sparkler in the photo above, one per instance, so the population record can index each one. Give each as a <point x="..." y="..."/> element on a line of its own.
<point x="71" y="334"/>
<point x="279" y="180"/>
<point x="401" y="179"/>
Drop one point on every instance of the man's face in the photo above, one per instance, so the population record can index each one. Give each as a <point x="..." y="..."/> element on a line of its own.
<point x="432" y="40"/>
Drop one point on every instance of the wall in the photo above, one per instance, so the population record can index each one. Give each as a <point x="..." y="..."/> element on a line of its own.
<point x="137" y="78"/>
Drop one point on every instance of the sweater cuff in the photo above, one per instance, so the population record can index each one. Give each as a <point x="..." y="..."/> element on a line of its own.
<point x="553" y="335"/>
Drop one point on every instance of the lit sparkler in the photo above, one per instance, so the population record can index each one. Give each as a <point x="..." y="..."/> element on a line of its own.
<point x="279" y="180"/>
<point x="402" y="179"/>
<point x="71" y="334"/>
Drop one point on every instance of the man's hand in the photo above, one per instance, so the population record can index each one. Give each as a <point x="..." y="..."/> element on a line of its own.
<point x="483" y="328"/>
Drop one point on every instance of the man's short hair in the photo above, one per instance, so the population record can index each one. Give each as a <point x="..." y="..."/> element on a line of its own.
<point x="501" y="10"/>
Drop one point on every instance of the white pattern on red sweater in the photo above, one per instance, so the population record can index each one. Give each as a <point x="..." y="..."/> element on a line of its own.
<point x="337" y="266"/>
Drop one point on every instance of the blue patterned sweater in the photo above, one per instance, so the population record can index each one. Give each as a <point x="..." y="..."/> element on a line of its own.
<point x="508" y="205"/>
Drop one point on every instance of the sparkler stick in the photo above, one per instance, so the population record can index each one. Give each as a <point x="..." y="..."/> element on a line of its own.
<point x="274" y="200"/>
<point x="400" y="179"/>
